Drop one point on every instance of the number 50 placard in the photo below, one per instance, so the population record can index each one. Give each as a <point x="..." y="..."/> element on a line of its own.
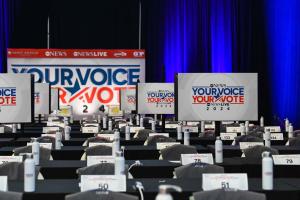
<point x="231" y="180"/>
<point x="103" y="182"/>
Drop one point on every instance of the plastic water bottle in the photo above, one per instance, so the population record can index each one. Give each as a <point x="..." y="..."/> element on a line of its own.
<point x="67" y="132"/>
<point x="153" y="125"/>
<point x="243" y="129"/>
<point x="130" y="120"/>
<point x="141" y="122"/>
<point x="247" y="127"/>
<point x="186" y="139"/>
<point x="179" y="132"/>
<point x="291" y="131"/>
<point x="267" y="136"/>
<point x="218" y="150"/>
<point x="71" y="119"/>
<point x="262" y="122"/>
<point x="29" y="174"/>
<point x="14" y="128"/>
<point x="127" y="132"/>
<point x="36" y="151"/>
<point x="116" y="143"/>
<point x="110" y="125"/>
<point x="155" y="117"/>
<point x="58" y="137"/>
<point x="119" y="163"/>
<point x="104" y="122"/>
<point x="163" y="193"/>
<point x="202" y="126"/>
<point x="267" y="171"/>
<point x="99" y="119"/>
<point x="66" y="121"/>
<point x="287" y="124"/>
<point x="137" y="119"/>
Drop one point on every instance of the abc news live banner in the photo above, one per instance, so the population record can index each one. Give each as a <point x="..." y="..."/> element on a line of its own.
<point x="87" y="79"/>
<point x="216" y="96"/>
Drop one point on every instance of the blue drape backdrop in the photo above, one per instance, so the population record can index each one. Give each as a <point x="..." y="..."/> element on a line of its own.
<point x="260" y="36"/>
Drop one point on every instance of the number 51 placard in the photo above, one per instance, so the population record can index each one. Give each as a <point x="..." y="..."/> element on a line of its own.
<point x="231" y="180"/>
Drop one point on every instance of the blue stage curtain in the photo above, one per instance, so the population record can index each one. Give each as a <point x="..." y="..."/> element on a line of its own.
<point x="283" y="33"/>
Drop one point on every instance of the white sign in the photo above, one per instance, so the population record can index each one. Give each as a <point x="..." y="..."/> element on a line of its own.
<point x="120" y="125"/>
<point x="292" y="159"/>
<point x="191" y="129"/>
<point x="107" y="136"/>
<point x="16" y="98"/>
<point x="217" y="96"/>
<point x="228" y="136"/>
<point x="209" y="126"/>
<point x="90" y="129"/>
<point x="56" y="123"/>
<point x="135" y="129"/>
<point x="155" y="98"/>
<point x="277" y="136"/>
<point x="1" y="129"/>
<point x="163" y="145"/>
<point x="44" y="145"/>
<point x="226" y="181"/>
<point x="273" y="129"/>
<point x="3" y="183"/>
<point x="5" y="159"/>
<point x="232" y="129"/>
<point x="162" y="134"/>
<point x="128" y="100"/>
<point x="87" y="78"/>
<point x="192" y="123"/>
<point x="246" y="145"/>
<point x="42" y="98"/>
<point x="92" y="144"/>
<point x="93" y="160"/>
<point x="171" y="126"/>
<point x="103" y="182"/>
<point x="50" y="129"/>
<point x="197" y="158"/>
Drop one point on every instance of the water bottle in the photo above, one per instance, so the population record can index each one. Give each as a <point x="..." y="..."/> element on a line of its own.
<point x="163" y="193"/>
<point x="116" y="143"/>
<point x="29" y="174"/>
<point x="141" y="122"/>
<point x="153" y="125"/>
<point x="287" y="124"/>
<point x="186" y="139"/>
<point x="66" y="122"/>
<point x="218" y="150"/>
<point x="247" y="127"/>
<point x="58" y="137"/>
<point x="155" y="117"/>
<point x="291" y="131"/>
<point x="262" y="122"/>
<point x="127" y="132"/>
<point x="110" y="125"/>
<point x="119" y="163"/>
<point x="14" y="128"/>
<point x="130" y="120"/>
<point x="202" y="126"/>
<point x="137" y="119"/>
<point x="71" y="119"/>
<point x="179" y="132"/>
<point x="99" y="119"/>
<point x="267" y="171"/>
<point x="67" y="132"/>
<point x="267" y="136"/>
<point x="243" y="129"/>
<point x="104" y="123"/>
<point x="36" y="151"/>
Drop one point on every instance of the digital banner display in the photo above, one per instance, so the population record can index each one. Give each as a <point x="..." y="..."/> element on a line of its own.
<point x="16" y="98"/>
<point x="87" y="79"/>
<point x="54" y="99"/>
<point x="128" y="100"/>
<point x="216" y="96"/>
<point x="41" y="98"/>
<point x="155" y="98"/>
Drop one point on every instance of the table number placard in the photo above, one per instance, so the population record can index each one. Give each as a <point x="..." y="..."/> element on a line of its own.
<point x="163" y="145"/>
<point x="277" y="136"/>
<point x="5" y="159"/>
<point x="191" y="129"/>
<point x="3" y="183"/>
<point x="50" y="129"/>
<point x="246" y="145"/>
<point x="292" y="159"/>
<point x="233" y="129"/>
<point x="90" y="129"/>
<point x="226" y="181"/>
<point x="228" y="136"/>
<point x="162" y="134"/>
<point x="197" y="158"/>
<point x="103" y="182"/>
<point x="273" y="129"/>
<point x="93" y="160"/>
<point x="92" y="144"/>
